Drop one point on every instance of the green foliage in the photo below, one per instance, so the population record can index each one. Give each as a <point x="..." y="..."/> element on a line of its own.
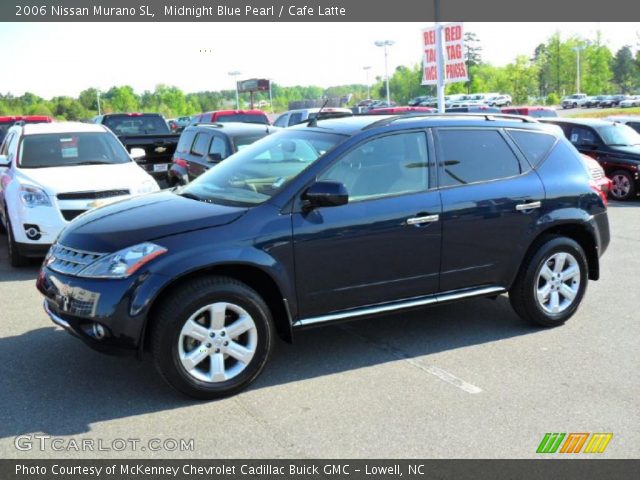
<point x="552" y="99"/>
<point x="625" y="70"/>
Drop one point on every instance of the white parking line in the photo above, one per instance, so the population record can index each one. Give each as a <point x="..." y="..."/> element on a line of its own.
<point x="401" y="355"/>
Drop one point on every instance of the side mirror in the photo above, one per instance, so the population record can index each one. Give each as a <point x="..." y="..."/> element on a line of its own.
<point x="4" y="161"/>
<point x="137" y="153"/>
<point x="214" y="157"/>
<point x="325" y="194"/>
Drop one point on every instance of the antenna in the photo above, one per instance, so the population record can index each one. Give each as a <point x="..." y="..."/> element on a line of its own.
<point x="314" y="120"/>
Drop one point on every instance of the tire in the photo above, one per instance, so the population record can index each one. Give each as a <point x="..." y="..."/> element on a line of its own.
<point x="189" y="313"/>
<point x="526" y="294"/>
<point x="624" y="186"/>
<point x="508" y="104"/>
<point x="15" y="259"/>
<point x="575" y="105"/>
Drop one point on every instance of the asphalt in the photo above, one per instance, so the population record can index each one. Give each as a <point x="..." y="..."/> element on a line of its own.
<point x="468" y="380"/>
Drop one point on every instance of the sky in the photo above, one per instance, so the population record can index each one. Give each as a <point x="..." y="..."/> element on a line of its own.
<point x="51" y="59"/>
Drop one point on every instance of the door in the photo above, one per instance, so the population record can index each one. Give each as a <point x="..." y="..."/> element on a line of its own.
<point x="383" y="245"/>
<point x="491" y="201"/>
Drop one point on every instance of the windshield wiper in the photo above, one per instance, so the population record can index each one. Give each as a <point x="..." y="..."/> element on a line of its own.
<point x="91" y="162"/>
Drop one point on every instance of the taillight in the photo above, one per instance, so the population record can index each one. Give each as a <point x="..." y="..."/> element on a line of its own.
<point x="603" y="196"/>
<point x="181" y="162"/>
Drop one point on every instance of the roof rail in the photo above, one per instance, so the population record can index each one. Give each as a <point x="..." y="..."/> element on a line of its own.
<point x="487" y="116"/>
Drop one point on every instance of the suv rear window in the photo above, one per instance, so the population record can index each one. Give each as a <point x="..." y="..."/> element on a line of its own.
<point x="136" y="125"/>
<point x="534" y="145"/>
<point x="185" y="142"/>
<point x="471" y="156"/>
<point x="243" y="117"/>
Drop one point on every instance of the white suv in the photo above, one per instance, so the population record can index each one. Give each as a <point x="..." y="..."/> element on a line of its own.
<point x="574" y="101"/>
<point x="52" y="172"/>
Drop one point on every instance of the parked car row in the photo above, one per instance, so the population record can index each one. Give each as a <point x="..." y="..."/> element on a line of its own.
<point x="581" y="100"/>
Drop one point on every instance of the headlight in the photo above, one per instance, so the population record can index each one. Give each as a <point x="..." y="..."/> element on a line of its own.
<point x="148" y="186"/>
<point x="34" y="197"/>
<point x="123" y="263"/>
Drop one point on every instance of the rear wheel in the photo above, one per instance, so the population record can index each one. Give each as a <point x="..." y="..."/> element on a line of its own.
<point x="15" y="258"/>
<point x="212" y="337"/>
<point x="551" y="282"/>
<point x="623" y="188"/>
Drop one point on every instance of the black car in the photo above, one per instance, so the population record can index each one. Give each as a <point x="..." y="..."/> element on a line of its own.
<point x="315" y="224"/>
<point x="614" y="145"/>
<point x="202" y="146"/>
<point x="593" y="102"/>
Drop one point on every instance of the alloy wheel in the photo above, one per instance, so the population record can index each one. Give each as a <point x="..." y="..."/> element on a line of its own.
<point x="217" y="342"/>
<point x="621" y="186"/>
<point x="558" y="283"/>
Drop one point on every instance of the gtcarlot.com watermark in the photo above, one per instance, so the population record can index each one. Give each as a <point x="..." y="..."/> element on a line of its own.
<point x="43" y="443"/>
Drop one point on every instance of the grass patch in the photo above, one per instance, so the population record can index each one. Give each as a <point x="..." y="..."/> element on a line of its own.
<point x="607" y="112"/>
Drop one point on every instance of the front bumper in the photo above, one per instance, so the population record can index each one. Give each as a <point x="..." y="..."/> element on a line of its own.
<point x="118" y="306"/>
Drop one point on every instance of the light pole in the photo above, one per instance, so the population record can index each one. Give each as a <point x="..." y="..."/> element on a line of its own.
<point x="234" y="74"/>
<point x="578" y="49"/>
<point x="384" y="44"/>
<point x="98" y="98"/>
<point x="366" y="69"/>
<point x="270" y="97"/>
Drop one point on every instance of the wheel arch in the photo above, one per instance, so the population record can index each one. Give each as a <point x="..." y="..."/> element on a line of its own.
<point x="251" y="275"/>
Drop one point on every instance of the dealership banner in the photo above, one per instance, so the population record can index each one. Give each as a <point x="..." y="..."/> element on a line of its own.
<point x="317" y="469"/>
<point x="454" y="66"/>
<point x="318" y="11"/>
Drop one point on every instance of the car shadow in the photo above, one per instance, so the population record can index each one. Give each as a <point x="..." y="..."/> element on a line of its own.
<point x="12" y="274"/>
<point x="53" y="383"/>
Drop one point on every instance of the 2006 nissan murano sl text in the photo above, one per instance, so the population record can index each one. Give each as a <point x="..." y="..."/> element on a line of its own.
<point x="328" y="221"/>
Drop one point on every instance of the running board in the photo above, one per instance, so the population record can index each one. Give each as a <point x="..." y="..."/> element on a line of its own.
<point x="399" y="305"/>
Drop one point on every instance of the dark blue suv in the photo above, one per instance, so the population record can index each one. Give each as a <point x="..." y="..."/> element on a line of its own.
<point x="329" y="221"/>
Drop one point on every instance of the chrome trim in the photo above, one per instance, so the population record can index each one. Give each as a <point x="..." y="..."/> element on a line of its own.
<point x="54" y="318"/>
<point x="528" y="206"/>
<point x="400" y="305"/>
<point x="421" y="220"/>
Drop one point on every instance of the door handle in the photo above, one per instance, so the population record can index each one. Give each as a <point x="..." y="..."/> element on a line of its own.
<point x="523" y="207"/>
<point x="422" y="220"/>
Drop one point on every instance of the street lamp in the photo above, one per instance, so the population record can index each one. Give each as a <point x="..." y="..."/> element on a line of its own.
<point x="234" y="74"/>
<point x="366" y="69"/>
<point x="98" y="99"/>
<point x="578" y="49"/>
<point x="384" y="44"/>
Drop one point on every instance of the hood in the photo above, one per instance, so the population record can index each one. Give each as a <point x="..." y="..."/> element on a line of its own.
<point x="82" y="178"/>
<point x="145" y="218"/>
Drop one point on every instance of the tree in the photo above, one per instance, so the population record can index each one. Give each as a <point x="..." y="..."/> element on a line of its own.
<point x="625" y="70"/>
<point x="472" y="55"/>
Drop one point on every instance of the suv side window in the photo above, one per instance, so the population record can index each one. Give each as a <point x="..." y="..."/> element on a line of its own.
<point x="390" y="165"/>
<point x="471" y="156"/>
<point x="218" y="147"/>
<point x="583" y="136"/>
<point x="533" y="145"/>
<point x="200" y="144"/>
<point x="295" y="118"/>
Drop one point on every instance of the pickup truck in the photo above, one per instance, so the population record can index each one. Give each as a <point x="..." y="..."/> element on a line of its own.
<point x="148" y="131"/>
<point x="574" y="101"/>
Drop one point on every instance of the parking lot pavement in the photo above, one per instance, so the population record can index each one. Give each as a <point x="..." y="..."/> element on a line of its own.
<point x="464" y="380"/>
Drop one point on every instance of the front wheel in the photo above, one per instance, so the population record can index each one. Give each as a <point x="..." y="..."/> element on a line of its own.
<point x="15" y="258"/>
<point x="551" y="282"/>
<point x="623" y="186"/>
<point x="212" y="337"/>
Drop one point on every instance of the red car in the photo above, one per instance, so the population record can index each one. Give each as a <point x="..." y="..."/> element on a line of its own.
<point x="399" y="110"/>
<point x="8" y="122"/>
<point x="535" y="111"/>
<point x="224" y="116"/>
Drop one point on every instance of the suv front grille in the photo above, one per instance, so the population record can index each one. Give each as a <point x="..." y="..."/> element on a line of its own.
<point x="70" y="261"/>
<point x="92" y="195"/>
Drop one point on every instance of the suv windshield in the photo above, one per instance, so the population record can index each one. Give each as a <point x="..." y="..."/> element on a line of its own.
<point x="136" y="124"/>
<point x="68" y="149"/>
<point x="619" y="135"/>
<point x="257" y="172"/>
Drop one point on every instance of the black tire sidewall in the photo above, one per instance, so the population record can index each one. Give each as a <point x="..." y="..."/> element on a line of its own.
<point x="170" y="365"/>
<point x="546" y="250"/>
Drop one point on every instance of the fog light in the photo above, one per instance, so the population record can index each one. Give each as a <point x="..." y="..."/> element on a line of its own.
<point x="98" y="331"/>
<point x="32" y="231"/>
